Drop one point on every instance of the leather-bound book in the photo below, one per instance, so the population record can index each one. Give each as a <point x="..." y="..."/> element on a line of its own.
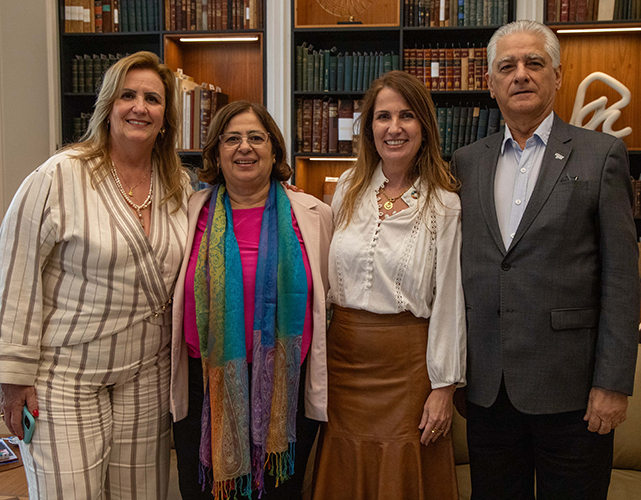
<point x="307" y="125"/>
<point x="332" y="128"/>
<point x="324" y="141"/>
<point x="345" y="126"/>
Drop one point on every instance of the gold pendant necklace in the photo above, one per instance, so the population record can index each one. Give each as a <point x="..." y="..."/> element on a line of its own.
<point x="389" y="204"/>
<point x="126" y="196"/>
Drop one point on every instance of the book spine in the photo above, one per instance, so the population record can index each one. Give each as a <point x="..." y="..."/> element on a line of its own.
<point x="435" y="69"/>
<point x="550" y="6"/>
<point x="332" y="132"/>
<point x="442" y="69"/>
<point x="307" y="125"/>
<point x="449" y="69"/>
<point x="464" y="68"/>
<point x="345" y="126"/>
<point x="340" y="73"/>
<point x="456" y="63"/>
<point x="441" y="122"/>
<point x="449" y="121"/>
<point x="324" y="126"/>
<point x="106" y="16"/>
<point x="478" y="68"/>
<point x="317" y="121"/>
<point x="298" y="107"/>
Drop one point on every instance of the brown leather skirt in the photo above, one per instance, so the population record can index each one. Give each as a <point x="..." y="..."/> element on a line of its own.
<point x="370" y="447"/>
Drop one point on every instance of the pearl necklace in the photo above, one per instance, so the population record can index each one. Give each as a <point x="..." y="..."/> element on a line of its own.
<point x="138" y="208"/>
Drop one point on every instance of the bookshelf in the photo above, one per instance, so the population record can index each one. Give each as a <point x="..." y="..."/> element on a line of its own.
<point x="385" y="29"/>
<point x="234" y="60"/>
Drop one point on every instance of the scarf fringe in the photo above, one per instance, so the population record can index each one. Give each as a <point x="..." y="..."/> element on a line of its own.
<point x="281" y="464"/>
<point x="242" y="485"/>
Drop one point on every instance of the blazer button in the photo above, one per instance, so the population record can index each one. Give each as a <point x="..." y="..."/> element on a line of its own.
<point x="506" y="266"/>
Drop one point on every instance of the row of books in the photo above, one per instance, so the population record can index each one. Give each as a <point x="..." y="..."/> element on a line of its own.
<point x="210" y="15"/>
<point x="459" y="126"/>
<point x="448" y="68"/>
<point x="592" y="10"/>
<point x="329" y="71"/>
<point x="87" y="70"/>
<point x="199" y="104"/>
<point x="80" y="124"/>
<point x="437" y="13"/>
<point x="111" y="16"/>
<point x="327" y="125"/>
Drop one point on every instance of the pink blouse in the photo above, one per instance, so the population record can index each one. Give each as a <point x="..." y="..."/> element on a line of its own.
<point x="247" y="224"/>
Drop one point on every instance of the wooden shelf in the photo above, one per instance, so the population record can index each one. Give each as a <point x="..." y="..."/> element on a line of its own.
<point x="231" y="65"/>
<point x="310" y="174"/>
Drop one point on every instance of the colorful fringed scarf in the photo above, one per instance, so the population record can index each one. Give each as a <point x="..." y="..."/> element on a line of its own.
<point x="242" y="434"/>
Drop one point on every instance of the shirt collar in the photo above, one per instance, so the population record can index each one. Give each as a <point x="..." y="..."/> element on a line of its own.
<point x="542" y="132"/>
<point x="378" y="181"/>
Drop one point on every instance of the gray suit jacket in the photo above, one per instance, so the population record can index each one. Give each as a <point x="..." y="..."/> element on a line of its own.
<point x="557" y="313"/>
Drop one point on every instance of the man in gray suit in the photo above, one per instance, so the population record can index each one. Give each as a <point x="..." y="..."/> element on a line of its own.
<point x="549" y="264"/>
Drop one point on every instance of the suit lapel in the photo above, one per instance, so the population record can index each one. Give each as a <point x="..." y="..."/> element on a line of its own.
<point x="487" y="172"/>
<point x="555" y="157"/>
<point x="308" y="219"/>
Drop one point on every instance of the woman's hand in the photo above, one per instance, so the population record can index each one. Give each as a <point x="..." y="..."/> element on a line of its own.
<point x="437" y="414"/>
<point x="12" y="399"/>
<point x="291" y="187"/>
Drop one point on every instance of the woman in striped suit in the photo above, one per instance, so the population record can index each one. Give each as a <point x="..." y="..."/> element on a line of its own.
<point x="93" y="242"/>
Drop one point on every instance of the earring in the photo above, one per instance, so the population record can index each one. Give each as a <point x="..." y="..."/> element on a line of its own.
<point x="162" y="131"/>
<point x="274" y="160"/>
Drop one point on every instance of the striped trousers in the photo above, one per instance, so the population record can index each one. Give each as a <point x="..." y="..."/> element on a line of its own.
<point x="103" y="430"/>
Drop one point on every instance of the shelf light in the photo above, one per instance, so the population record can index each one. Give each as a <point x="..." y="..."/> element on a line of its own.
<point x="338" y="158"/>
<point x="221" y="39"/>
<point x="597" y="30"/>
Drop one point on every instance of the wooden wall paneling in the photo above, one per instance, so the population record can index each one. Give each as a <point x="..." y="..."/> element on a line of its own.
<point x="616" y="54"/>
<point x="310" y="175"/>
<point x="309" y="14"/>
<point x="232" y="66"/>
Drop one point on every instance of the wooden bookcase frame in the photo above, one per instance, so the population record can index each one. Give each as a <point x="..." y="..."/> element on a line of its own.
<point x="239" y="68"/>
<point x="311" y="24"/>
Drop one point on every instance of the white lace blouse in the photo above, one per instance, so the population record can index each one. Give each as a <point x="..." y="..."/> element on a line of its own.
<point x="409" y="261"/>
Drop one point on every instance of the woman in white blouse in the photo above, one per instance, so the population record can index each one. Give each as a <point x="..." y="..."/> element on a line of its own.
<point x="396" y="343"/>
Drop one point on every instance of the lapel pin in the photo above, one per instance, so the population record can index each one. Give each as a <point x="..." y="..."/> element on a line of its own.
<point x="558" y="156"/>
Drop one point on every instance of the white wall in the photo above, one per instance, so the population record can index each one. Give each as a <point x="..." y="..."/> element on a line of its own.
<point x="25" y="125"/>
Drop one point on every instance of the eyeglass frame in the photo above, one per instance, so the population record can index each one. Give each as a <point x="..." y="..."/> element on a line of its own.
<point x="246" y="137"/>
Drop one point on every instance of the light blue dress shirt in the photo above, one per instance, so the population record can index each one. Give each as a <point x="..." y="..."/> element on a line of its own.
<point x="516" y="174"/>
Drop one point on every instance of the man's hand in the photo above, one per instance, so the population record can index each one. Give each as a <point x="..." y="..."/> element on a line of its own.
<point x="606" y="410"/>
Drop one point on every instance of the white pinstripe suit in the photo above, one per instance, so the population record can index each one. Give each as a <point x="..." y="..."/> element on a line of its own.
<point x="84" y="318"/>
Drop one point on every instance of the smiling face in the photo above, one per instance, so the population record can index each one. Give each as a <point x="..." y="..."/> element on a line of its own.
<point x="396" y="130"/>
<point x="523" y="81"/>
<point x="246" y="169"/>
<point x="138" y="113"/>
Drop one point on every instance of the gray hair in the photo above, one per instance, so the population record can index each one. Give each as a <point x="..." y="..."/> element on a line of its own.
<point x="550" y="41"/>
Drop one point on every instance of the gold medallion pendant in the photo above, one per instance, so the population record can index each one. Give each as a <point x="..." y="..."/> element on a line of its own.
<point x="388" y="205"/>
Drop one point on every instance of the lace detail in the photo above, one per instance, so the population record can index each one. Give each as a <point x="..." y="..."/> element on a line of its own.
<point x="338" y="296"/>
<point x="409" y="250"/>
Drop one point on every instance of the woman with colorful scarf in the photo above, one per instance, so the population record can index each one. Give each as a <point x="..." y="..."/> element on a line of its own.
<point x="248" y="347"/>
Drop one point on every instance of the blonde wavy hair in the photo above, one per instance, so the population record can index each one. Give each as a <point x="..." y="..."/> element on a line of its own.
<point x="428" y="165"/>
<point x="95" y="143"/>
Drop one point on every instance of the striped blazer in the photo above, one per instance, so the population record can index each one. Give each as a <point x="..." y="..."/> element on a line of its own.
<point x="76" y="265"/>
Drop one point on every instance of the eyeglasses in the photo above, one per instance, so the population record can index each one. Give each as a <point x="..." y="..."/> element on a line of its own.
<point x="254" y="139"/>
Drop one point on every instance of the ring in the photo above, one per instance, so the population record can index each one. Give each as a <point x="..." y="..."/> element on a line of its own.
<point x="437" y="430"/>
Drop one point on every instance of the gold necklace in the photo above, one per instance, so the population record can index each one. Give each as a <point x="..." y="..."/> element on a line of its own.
<point x="389" y="204"/>
<point x="130" y="193"/>
<point x="138" y="208"/>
